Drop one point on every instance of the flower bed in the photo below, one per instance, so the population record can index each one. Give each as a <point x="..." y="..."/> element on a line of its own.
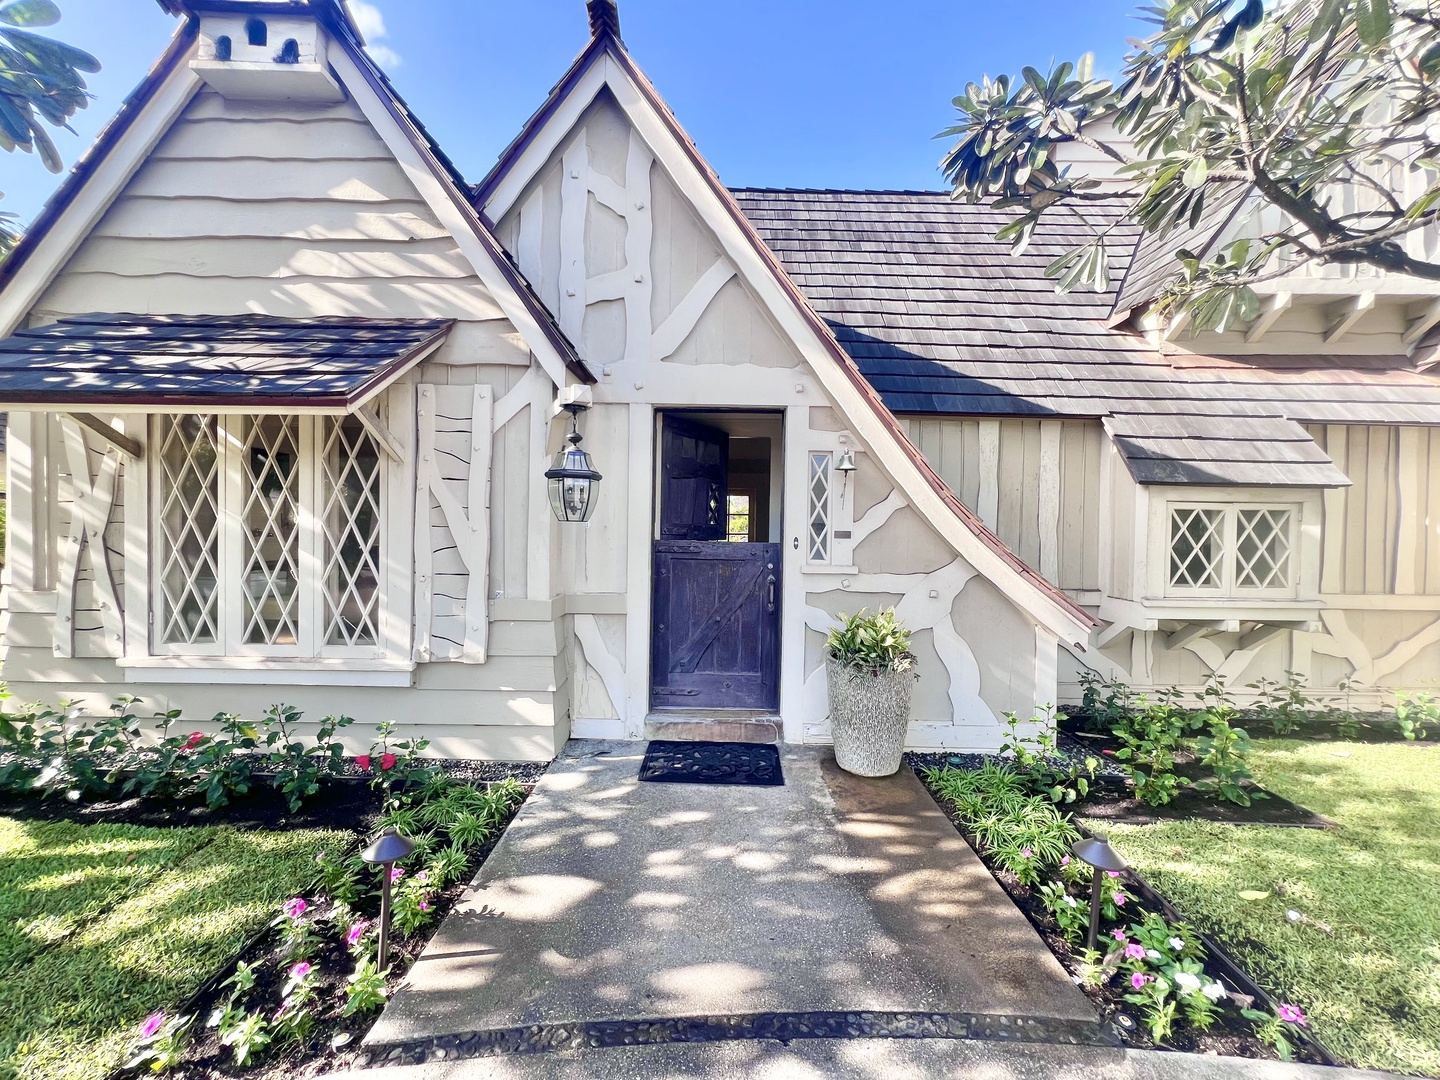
<point x="309" y="985"/>
<point x="1155" y="979"/>
<point x="304" y="994"/>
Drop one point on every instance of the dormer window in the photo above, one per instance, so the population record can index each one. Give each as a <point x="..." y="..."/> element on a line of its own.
<point x="257" y="33"/>
<point x="1235" y="550"/>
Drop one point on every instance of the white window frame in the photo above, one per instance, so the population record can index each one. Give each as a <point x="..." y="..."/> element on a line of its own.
<point x="232" y="493"/>
<point x="825" y="460"/>
<point x="1228" y="587"/>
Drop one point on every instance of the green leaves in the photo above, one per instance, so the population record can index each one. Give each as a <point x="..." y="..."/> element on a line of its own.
<point x="30" y="13"/>
<point x="1373" y="22"/>
<point x="40" y="80"/>
<point x="871" y="643"/>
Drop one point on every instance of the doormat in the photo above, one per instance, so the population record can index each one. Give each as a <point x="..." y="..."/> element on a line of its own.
<point x="755" y="764"/>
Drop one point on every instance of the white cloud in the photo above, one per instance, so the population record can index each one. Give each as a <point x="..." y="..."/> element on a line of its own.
<point x="371" y="22"/>
<point x="385" y="56"/>
<point x="368" y="19"/>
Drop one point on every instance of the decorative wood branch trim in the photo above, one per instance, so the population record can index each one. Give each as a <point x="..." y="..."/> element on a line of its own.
<point x="639" y="230"/>
<point x="122" y="442"/>
<point x="612" y="286"/>
<point x="92" y="501"/>
<point x="671" y="333"/>
<point x="522" y="394"/>
<point x="424" y="550"/>
<point x="370" y="420"/>
<point x="600" y="661"/>
<point x="575" y="164"/>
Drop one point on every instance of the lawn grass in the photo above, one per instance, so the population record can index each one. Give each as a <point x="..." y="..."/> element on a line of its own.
<point x="1364" y="963"/>
<point x="100" y="924"/>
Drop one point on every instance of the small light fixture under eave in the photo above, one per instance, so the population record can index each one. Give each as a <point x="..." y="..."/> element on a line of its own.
<point x="573" y="481"/>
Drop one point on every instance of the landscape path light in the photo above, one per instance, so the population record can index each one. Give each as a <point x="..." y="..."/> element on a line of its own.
<point x="1096" y="852"/>
<point x="389" y="848"/>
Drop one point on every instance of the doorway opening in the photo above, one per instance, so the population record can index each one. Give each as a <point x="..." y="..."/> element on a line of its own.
<point x="715" y="625"/>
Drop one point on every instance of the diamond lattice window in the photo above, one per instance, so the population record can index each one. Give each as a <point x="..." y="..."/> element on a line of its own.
<point x="1262" y="549"/>
<point x="270" y="530"/>
<point x="819" y="508"/>
<point x="351" y="523"/>
<point x="189" y="531"/>
<point x="1196" y="544"/>
<point x="269" y="536"/>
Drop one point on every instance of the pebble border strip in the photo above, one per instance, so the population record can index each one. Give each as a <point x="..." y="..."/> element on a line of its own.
<point x="781" y="1027"/>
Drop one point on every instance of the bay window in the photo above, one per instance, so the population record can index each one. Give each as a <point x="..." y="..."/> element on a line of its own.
<point x="268" y="533"/>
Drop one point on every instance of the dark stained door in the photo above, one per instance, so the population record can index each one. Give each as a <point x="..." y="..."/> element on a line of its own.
<point x="715" y="636"/>
<point x="693" y="466"/>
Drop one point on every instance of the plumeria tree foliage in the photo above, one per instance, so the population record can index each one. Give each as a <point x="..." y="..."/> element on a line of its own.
<point x="1284" y="103"/>
<point x="41" y="82"/>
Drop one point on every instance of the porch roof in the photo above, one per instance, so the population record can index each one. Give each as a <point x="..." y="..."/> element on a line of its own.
<point x="159" y="363"/>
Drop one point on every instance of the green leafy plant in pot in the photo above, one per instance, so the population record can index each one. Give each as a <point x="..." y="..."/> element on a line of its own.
<point x="870" y="671"/>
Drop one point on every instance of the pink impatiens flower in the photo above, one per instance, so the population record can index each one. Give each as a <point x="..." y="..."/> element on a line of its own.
<point x="196" y="738"/>
<point x="1291" y="1014"/>
<point x="1065" y="861"/>
<point x="1112" y="873"/>
<point x="153" y="1023"/>
<point x="356" y="932"/>
<point x="295" y="907"/>
<point x="1120" y="899"/>
<point x="424" y="904"/>
<point x="1025" y="853"/>
<point x="1119" y="935"/>
<point x="1134" y="952"/>
<point x="396" y="874"/>
<point x="364" y="762"/>
<point x="300" y="970"/>
<point x="1138" y="980"/>
<point x="423" y="876"/>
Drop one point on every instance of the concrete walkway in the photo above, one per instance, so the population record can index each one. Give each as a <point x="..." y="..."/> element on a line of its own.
<point x="612" y="900"/>
<point x="867" y="1059"/>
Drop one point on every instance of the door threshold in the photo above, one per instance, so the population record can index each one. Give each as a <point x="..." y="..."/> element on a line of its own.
<point x="714" y="725"/>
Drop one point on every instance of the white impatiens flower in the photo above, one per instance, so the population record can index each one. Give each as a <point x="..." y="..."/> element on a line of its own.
<point x="1070" y="901"/>
<point x="1178" y="944"/>
<point x="1214" y="991"/>
<point x="1153" y="954"/>
<point x="1187" y="982"/>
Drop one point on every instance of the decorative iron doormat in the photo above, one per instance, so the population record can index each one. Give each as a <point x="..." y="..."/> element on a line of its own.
<point x="756" y="764"/>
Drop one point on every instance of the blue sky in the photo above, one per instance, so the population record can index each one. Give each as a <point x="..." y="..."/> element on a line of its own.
<point x="845" y="93"/>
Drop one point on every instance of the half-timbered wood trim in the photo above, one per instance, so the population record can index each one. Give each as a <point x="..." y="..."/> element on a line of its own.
<point x="92" y="500"/>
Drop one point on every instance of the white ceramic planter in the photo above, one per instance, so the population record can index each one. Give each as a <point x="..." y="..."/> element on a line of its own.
<point x="868" y="717"/>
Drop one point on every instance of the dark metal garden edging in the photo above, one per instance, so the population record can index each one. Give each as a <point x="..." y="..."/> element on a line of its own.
<point x="774" y="1026"/>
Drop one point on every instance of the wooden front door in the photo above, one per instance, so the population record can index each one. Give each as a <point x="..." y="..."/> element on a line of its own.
<point x="715" y="633"/>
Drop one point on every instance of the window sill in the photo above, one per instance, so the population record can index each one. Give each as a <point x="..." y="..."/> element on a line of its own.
<point x="827" y="568"/>
<point x="252" y="670"/>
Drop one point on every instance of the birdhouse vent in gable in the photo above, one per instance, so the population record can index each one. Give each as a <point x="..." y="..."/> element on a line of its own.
<point x="280" y="57"/>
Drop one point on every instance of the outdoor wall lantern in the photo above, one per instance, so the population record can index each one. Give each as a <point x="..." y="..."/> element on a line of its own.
<point x="572" y="476"/>
<point x="1095" y="851"/>
<point x="388" y="849"/>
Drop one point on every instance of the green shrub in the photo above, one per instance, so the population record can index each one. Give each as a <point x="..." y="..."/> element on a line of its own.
<point x="1149" y="741"/>
<point x="1417" y="713"/>
<point x="1284" y="706"/>
<point x="1038" y="759"/>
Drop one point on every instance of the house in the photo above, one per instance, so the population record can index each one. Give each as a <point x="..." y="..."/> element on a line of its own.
<point x="284" y="390"/>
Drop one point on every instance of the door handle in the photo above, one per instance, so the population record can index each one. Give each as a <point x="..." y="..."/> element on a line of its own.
<point x="770" y="593"/>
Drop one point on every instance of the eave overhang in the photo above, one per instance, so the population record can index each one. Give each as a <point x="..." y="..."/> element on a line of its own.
<point x="222" y="364"/>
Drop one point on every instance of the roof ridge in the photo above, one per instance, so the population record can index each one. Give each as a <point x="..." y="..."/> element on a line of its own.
<point x="837" y="191"/>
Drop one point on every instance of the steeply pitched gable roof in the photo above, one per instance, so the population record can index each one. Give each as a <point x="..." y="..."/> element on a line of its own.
<point x="859" y="401"/>
<point x="532" y="317"/>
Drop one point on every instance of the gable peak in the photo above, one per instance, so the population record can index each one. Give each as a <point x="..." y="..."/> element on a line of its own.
<point x="604" y="18"/>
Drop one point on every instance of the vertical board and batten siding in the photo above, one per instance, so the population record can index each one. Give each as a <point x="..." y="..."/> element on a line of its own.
<point x="1382" y="534"/>
<point x="299" y="211"/>
<point x="1036" y="483"/>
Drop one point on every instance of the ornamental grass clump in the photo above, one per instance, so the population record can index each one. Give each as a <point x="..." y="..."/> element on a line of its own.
<point x="1021" y="832"/>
